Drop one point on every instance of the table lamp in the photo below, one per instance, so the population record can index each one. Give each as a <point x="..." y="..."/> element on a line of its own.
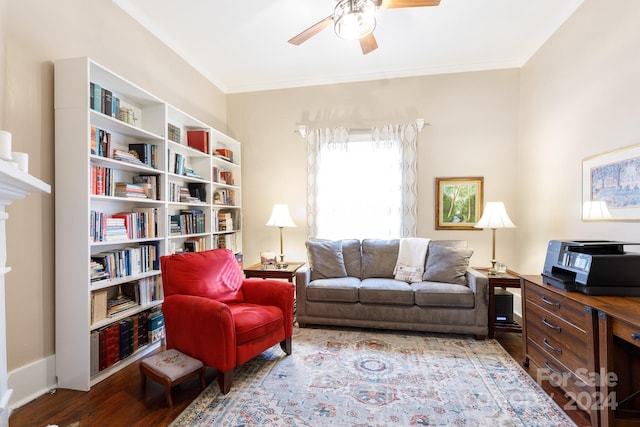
<point x="280" y="218"/>
<point x="494" y="216"/>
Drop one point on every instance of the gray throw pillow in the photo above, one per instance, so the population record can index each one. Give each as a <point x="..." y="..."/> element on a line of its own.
<point x="325" y="258"/>
<point x="352" y="257"/>
<point x="447" y="265"/>
<point x="379" y="257"/>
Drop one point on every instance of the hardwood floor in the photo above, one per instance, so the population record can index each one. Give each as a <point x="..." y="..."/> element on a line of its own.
<point x="120" y="401"/>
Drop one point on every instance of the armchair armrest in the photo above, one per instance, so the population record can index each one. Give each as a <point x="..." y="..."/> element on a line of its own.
<point x="277" y="293"/>
<point x="200" y="327"/>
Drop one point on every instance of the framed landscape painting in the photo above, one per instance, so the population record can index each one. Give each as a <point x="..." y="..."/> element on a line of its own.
<point x="613" y="178"/>
<point x="458" y="203"/>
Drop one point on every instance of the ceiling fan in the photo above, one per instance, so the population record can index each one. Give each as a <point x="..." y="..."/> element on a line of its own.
<point x="356" y="20"/>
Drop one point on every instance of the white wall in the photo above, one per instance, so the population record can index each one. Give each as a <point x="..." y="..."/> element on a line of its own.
<point x="580" y="96"/>
<point x="473" y="131"/>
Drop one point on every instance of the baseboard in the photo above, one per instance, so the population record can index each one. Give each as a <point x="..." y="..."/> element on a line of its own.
<point x="31" y="381"/>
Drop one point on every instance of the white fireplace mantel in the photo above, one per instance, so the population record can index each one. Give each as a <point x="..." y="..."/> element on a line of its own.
<point x="14" y="185"/>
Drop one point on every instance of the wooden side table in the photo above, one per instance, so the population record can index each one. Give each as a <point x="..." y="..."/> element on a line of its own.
<point x="510" y="279"/>
<point x="273" y="272"/>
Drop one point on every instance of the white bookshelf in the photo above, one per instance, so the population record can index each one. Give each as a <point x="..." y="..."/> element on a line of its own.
<point x="75" y="200"/>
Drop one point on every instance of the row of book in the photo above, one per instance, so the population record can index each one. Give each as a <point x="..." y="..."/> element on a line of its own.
<point x="146" y="153"/>
<point x="119" y="340"/>
<point x="178" y="165"/>
<point x="103" y="100"/>
<point x="222" y="176"/>
<point x="140" y="223"/>
<point x="226" y="241"/>
<point x="225" y="154"/>
<point x="188" y="221"/>
<point x="195" y="244"/>
<point x="125" y="262"/>
<point x="173" y="133"/>
<point x="100" y="142"/>
<point x="224" y="221"/>
<point x="106" y="102"/>
<point x="224" y="196"/>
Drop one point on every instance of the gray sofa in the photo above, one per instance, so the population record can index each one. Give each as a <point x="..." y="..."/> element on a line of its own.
<point x="351" y="283"/>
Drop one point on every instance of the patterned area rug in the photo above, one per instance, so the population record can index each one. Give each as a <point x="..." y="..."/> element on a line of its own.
<point x="372" y="378"/>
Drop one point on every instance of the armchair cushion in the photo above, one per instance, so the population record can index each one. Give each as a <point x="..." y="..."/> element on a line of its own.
<point x="254" y="321"/>
<point x="208" y="274"/>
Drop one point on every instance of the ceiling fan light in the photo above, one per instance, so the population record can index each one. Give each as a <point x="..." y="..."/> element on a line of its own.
<point x="354" y="19"/>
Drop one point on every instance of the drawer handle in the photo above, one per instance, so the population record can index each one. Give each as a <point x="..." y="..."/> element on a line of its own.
<point x="636" y="336"/>
<point x="549" y="346"/>
<point x="546" y="301"/>
<point x="548" y="365"/>
<point x="546" y="323"/>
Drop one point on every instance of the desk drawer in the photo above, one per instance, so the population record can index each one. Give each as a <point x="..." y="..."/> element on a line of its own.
<point x="626" y="331"/>
<point x="557" y="337"/>
<point x="571" y="311"/>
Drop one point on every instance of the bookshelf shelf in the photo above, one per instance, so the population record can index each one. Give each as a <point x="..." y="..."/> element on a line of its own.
<point x="102" y="124"/>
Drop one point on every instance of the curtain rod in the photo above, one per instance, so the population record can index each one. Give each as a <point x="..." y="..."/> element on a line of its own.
<point x="303" y="130"/>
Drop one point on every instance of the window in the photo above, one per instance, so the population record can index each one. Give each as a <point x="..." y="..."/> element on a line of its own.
<point x="361" y="186"/>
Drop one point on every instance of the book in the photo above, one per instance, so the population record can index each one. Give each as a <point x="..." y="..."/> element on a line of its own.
<point x="125" y="339"/>
<point x="102" y="349"/>
<point x="94" y="342"/>
<point x="98" y="305"/>
<point x="107" y="99"/>
<point x="156" y="326"/>
<point x="198" y="139"/>
<point x="112" y="344"/>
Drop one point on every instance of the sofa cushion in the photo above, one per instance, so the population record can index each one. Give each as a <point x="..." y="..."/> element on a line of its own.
<point x="446" y="264"/>
<point x="335" y="290"/>
<point x="379" y="258"/>
<point x="434" y="294"/>
<point x="386" y="291"/>
<point x="325" y="258"/>
<point x="352" y="256"/>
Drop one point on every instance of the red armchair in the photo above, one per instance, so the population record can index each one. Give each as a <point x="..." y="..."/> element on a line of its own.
<point x="215" y="315"/>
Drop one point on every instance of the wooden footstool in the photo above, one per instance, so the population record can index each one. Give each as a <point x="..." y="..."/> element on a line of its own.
<point x="169" y="368"/>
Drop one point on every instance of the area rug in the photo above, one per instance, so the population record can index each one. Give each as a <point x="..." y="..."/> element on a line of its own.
<point x="371" y="378"/>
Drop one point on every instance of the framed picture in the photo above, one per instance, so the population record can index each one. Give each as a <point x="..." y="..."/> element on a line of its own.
<point x="458" y="203"/>
<point x="611" y="186"/>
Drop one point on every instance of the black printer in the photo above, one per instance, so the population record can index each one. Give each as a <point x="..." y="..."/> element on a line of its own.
<point x="593" y="267"/>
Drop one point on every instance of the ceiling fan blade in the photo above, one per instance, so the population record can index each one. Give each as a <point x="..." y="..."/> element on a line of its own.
<point x="395" y="4"/>
<point x="368" y="44"/>
<point x="311" y="31"/>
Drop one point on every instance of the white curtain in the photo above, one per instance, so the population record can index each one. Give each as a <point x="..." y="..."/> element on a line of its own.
<point x="362" y="186"/>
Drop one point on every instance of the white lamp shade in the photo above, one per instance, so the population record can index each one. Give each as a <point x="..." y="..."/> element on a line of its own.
<point x="595" y="210"/>
<point x="280" y="217"/>
<point x="494" y="216"/>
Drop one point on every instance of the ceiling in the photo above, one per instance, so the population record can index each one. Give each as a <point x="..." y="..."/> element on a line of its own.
<point x="241" y="45"/>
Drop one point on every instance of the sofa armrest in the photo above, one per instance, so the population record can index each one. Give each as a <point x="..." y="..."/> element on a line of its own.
<point x="277" y="293"/>
<point x="479" y="284"/>
<point x="303" y="278"/>
<point x="200" y="327"/>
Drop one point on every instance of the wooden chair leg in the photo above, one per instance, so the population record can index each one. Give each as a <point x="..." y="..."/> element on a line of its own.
<point x="286" y="345"/>
<point x="224" y="381"/>
<point x="202" y="381"/>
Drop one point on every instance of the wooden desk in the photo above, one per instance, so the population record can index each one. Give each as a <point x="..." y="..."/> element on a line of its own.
<point x="510" y="279"/>
<point x="600" y="353"/>
<point x="273" y="272"/>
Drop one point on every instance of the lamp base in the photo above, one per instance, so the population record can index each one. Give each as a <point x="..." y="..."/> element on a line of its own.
<point x="282" y="265"/>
